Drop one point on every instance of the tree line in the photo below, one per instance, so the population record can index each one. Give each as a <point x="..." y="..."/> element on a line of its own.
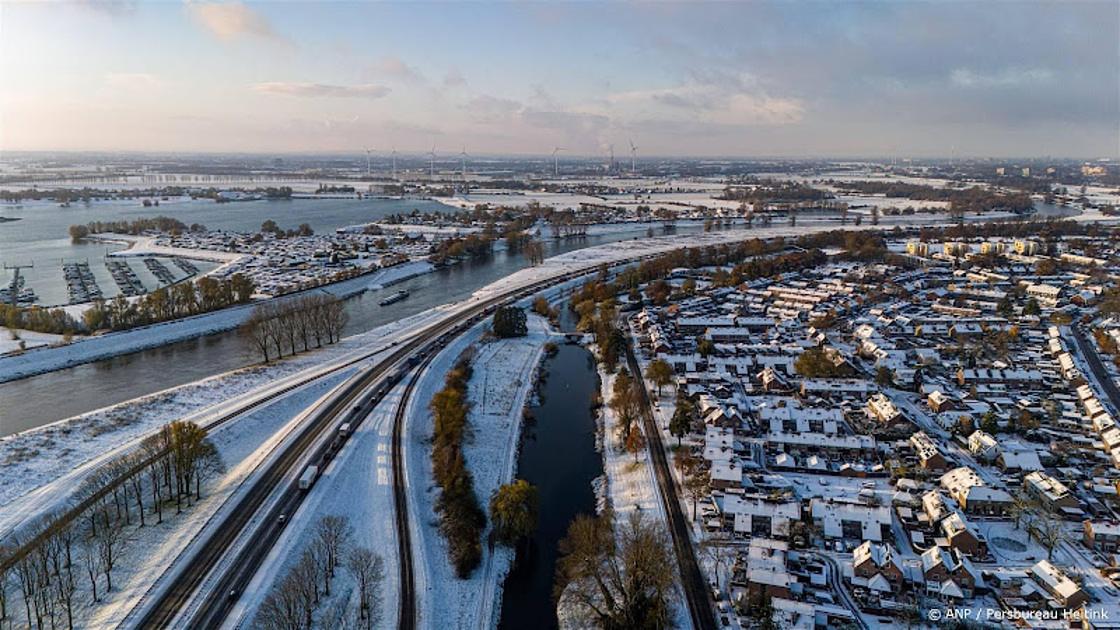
<point x="164" y="304"/>
<point x="293" y="325"/>
<point x="461" y="517"/>
<point x="50" y="562"/>
<point x="171" y="302"/>
<point x="169" y="225"/>
<point x="38" y="319"/>
<point x="296" y="596"/>
<point x="961" y="200"/>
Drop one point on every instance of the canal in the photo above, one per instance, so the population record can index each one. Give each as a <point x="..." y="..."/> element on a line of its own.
<point x="559" y="457"/>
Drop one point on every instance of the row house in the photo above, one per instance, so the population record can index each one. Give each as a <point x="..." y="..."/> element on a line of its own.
<point x="948" y="574"/>
<point x="1051" y="493"/>
<point x="973" y="495"/>
<point x="850" y="520"/>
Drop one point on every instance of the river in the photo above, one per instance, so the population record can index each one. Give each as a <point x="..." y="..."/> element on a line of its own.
<point x="559" y="457"/>
<point x="35" y="401"/>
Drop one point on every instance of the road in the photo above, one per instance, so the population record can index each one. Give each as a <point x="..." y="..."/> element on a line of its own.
<point x="1100" y="373"/>
<point x="836" y="578"/>
<point x="406" y="616"/>
<point x="217" y="604"/>
<point x="692" y="580"/>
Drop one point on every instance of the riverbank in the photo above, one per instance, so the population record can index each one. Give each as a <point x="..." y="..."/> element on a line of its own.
<point x="88" y="349"/>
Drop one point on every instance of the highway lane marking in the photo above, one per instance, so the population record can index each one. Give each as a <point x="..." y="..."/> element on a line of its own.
<point x="382" y="476"/>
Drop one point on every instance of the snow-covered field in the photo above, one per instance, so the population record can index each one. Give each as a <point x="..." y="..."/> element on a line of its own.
<point x="87" y="349"/>
<point x="28" y="338"/>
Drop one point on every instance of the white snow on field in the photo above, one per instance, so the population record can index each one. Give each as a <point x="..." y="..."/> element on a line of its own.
<point x="500" y="384"/>
<point x="87" y="349"/>
<point x="631" y="485"/>
<point x="357" y="485"/>
<point x="28" y="338"/>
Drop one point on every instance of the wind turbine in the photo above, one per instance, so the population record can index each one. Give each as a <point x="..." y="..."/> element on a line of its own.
<point x="610" y="167"/>
<point x="633" y="156"/>
<point x="463" y="159"/>
<point x="432" y="163"/>
<point x="368" y="151"/>
<point x="394" y="156"/>
<point x="556" y="161"/>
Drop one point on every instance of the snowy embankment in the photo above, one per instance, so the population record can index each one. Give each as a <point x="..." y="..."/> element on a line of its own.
<point x="500" y="385"/>
<point x="88" y="349"/>
<point x="40" y="468"/>
<point x="630" y="484"/>
<point x="153" y="555"/>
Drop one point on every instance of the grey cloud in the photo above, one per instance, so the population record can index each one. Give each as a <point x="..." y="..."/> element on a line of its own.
<point x="320" y="90"/>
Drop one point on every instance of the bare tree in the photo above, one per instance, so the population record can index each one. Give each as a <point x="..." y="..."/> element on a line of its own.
<point x="4" y="577"/>
<point x="368" y="570"/>
<point x="624" y="580"/>
<point x="27" y="576"/>
<point x="255" y="330"/>
<point x="334" y="532"/>
<point x="1050" y="532"/>
<point x="283" y="608"/>
<point x="91" y="560"/>
<point x="304" y="579"/>
<point x="109" y="538"/>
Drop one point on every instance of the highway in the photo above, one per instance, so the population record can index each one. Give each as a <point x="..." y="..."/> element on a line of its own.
<point x="692" y="580"/>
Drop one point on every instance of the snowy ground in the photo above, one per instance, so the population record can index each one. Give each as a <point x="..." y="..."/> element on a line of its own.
<point x="243" y="446"/>
<point x="630" y="482"/>
<point x="357" y="485"/>
<point x="28" y="338"/>
<point x="147" y="552"/>
<point x="500" y="385"/>
<point x="40" y="467"/>
<point x="87" y="349"/>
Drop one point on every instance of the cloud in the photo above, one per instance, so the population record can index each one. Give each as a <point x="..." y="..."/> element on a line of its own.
<point x="317" y="90"/>
<point x="731" y="99"/>
<point x="1009" y="77"/>
<point x="396" y="68"/>
<point x="492" y="109"/>
<point x="131" y="81"/>
<point x="454" y="79"/>
<point x="232" y="20"/>
<point x="111" y="8"/>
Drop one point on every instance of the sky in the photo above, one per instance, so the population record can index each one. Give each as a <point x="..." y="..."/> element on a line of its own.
<point x="750" y="79"/>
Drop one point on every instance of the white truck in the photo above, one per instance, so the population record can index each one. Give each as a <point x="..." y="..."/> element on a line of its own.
<point x="308" y="477"/>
